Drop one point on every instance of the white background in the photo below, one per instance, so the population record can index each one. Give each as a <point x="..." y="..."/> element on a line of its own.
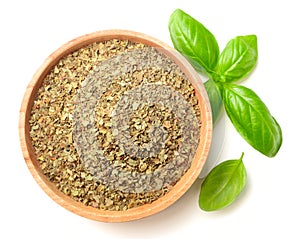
<point x="270" y="204"/>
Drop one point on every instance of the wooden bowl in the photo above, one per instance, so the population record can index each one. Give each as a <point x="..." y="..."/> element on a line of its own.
<point x="138" y="212"/>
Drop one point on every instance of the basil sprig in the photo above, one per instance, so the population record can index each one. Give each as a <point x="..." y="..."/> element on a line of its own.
<point x="223" y="184"/>
<point x="246" y="110"/>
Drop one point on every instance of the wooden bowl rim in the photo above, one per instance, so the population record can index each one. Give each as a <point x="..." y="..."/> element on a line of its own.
<point x="135" y="213"/>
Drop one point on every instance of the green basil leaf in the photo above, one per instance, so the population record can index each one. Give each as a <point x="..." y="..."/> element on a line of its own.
<point x="215" y="99"/>
<point x="252" y="119"/>
<point x="223" y="185"/>
<point x="238" y="59"/>
<point x="194" y="41"/>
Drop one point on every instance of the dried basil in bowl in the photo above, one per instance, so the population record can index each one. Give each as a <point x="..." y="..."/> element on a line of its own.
<point x="115" y="125"/>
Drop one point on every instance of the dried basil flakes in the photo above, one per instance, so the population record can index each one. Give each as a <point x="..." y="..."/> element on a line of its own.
<point x="115" y="125"/>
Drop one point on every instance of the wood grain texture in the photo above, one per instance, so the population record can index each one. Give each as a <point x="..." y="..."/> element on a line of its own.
<point x="139" y="212"/>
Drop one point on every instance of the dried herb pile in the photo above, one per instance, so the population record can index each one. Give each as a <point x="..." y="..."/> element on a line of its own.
<point x="109" y="138"/>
